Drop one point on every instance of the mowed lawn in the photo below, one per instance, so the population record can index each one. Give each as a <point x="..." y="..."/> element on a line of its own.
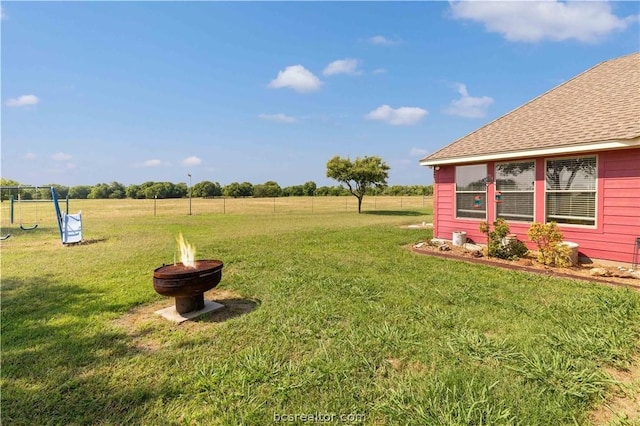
<point x="338" y="320"/>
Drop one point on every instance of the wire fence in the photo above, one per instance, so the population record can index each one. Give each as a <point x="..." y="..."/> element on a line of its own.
<point x="43" y="212"/>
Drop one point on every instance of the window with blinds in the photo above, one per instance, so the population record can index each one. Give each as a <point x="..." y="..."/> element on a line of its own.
<point x="515" y="182"/>
<point x="471" y="191"/>
<point x="571" y="190"/>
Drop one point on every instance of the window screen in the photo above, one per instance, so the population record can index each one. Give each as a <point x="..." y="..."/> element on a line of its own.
<point x="571" y="190"/>
<point x="471" y="191"/>
<point x="515" y="182"/>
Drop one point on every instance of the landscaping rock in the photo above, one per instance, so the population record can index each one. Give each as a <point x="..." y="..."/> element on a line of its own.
<point x="444" y="247"/>
<point x="636" y="274"/>
<point x="599" y="272"/>
<point x="437" y="242"/>
<point x="622" y="274"/>
<point x="476" y="253"/>
<point x="472" y="247"/>
<point x="419" y="245"/>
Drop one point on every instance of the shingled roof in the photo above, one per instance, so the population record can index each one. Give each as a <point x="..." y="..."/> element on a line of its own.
<point x="600" y="105"/>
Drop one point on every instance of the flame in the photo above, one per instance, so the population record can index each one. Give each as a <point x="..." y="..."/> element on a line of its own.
<point x="187" y="252"/>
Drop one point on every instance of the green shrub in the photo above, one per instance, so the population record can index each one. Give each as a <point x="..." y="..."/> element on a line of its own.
<point x="548" y="238"/>
<point x="497" y="245"/>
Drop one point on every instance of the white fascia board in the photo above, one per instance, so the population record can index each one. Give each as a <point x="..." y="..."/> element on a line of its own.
<point x="543" y="152"/>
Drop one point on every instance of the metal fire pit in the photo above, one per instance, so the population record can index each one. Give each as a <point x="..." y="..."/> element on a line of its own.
<point x="187" y="284"/>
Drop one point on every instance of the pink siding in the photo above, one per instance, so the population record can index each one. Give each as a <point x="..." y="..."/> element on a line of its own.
<point x="445" y="222"/>
<point x="620" y="182"/>
<point x="617" y="206"/>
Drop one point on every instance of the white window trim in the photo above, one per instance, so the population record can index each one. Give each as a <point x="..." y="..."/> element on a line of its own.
<point x="456" y="192"/>
<point x="533" y="191"/>
<point x="596" y="191"/>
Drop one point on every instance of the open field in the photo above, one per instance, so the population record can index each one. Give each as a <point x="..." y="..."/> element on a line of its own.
<point x="169" y="207"/>
<point x="327" y="313"/>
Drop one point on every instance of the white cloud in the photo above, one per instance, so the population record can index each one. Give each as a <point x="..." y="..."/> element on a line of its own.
<point x="152" y="163"/>
<point x="382" y="41"/>
<point x="343" y="66"/>
<point x="533" y="21"/>
<point x="2" y="14"/>
<point x="297" y="78"/>
<point x="418" y="152"/>
<point x="278" y="118"/>
<point x="378" y="71"/>
<point x="61" y="156"/>
<point x="468" y="106"/>
<point x="403" y="116"/>
<point x="30" y="156"/>
<point x="23" y="100"/>
<point x="191" y="161"/>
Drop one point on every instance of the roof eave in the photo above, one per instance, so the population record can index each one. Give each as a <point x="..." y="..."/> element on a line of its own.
<point x="542" y="152"/>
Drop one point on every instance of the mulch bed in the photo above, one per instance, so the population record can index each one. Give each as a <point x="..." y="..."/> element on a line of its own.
<point x="577" y="273"/>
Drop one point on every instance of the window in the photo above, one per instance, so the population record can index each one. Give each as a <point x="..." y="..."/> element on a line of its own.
<point x="471" y="191"/>
<point x="571" y="190"/>
<point x="515" y="182"/>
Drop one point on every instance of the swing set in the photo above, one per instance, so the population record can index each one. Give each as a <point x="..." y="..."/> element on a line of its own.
<point x="28" y="228"/>
<point x="70" y="226"/>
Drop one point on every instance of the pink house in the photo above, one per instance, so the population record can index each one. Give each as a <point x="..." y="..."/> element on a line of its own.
<point x="571" y="155"/>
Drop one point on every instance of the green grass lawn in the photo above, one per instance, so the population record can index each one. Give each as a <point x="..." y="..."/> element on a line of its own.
<point x="343" y="320"/>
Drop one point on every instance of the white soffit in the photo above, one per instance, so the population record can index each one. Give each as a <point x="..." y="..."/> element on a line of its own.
<point x="543" y="152"/>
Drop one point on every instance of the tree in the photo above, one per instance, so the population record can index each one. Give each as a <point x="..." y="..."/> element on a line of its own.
<point x="206" y="189"/>
<point x="80" y="192"/>
<point x="246" y="189"/>
<point x="8" y="192"/>
<point x="232" y="190"/>
<point x="395" y="190"/>
<point x="117" y="190"/>
<point x="235" y="190"/>
<point x="133" y="191"/>
<point x="267" y="189"/>
<point x="154" y="190"/>
<point x="44" y="192"/>
<point x="101" y="190"/>
<point x="179" y="190"/>
<point x="359" y="175"/>
<point x="309" y="188"/>
<point x="292" y="191"/>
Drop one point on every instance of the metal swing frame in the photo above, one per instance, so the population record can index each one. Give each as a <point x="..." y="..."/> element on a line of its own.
<point x="59" y="216"/>
<point x="27" y="228"/>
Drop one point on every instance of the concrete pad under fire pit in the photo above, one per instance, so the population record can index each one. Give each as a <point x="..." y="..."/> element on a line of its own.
<point x="171" y="314"/>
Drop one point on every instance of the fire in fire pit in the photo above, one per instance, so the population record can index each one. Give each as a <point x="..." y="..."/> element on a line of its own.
<point x="187" y="281"/>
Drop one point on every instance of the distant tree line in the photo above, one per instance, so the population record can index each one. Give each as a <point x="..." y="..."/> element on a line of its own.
<point x="205" y="189"/>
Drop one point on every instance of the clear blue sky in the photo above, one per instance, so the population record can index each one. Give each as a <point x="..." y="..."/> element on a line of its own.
<point x="152" y="91"/>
